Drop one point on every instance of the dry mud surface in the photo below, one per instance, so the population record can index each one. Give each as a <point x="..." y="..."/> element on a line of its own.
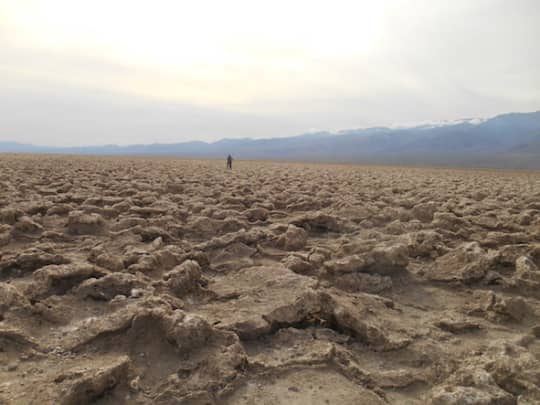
<point x="162" y="281"/>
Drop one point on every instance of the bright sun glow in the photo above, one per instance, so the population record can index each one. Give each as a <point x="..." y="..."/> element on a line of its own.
<point x="209" y="51"/>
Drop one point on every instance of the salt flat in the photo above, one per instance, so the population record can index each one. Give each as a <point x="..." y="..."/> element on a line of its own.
<point x="141" y="280"/>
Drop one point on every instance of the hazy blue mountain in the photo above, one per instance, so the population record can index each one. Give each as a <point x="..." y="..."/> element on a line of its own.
<point x="505" y="141"/>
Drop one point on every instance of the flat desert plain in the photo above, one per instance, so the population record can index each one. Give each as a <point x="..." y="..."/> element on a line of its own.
<point x="166" y="281"/>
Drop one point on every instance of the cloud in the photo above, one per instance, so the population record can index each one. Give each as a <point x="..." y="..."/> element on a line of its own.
<point x="58" y="115"/>
<point x="171" y="72"/>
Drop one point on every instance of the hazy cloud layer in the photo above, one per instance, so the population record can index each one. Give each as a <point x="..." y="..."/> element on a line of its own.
<point x="140" y="72"/>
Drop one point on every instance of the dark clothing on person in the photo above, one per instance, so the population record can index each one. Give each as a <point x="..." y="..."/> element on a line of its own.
<point x="229" y="162"/>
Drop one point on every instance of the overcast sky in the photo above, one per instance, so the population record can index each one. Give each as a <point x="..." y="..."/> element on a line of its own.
<point x="128" y="71"/>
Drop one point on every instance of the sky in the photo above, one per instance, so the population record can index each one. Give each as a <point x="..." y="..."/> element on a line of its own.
<point x="76" y="72"/>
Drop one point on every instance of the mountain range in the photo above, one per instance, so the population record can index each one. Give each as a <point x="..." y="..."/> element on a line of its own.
<point x="507" y="141"/>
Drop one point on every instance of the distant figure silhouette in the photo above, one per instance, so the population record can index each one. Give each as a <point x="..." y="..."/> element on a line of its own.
<point x="229" y="162"/>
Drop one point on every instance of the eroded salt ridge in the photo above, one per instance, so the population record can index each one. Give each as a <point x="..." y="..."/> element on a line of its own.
<point x="162" y="281"/>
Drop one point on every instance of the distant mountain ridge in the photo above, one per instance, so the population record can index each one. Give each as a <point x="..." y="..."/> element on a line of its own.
<point x="509" y="141"/>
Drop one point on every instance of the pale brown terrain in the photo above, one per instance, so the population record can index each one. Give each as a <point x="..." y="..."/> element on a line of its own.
<point x="163" y="281"/>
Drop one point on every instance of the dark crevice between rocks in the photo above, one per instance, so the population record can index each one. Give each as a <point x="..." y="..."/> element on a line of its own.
<point x="103" y="387"/>
<point x="224" y="298"/>
<point x="92" y="397"/>
<point x="64" y="285"/>
<point x="16" y="340"/>
<point x="328" y="322"/>
<point x="106" y="335"/>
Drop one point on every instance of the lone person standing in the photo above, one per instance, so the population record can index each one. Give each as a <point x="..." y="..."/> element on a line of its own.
<point x="229" y="162"/>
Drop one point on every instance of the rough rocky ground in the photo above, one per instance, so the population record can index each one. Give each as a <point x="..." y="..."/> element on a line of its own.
<point x="162" y="281"/>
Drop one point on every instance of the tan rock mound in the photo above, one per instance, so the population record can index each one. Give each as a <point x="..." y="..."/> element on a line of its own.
<point x="109" y="286"/>
<point x="503" y="374"/>
<point x="467" y="263"/>
<point x="27" y="261"/>
<point x="59" y="279"/>
<point x="294" y="238"/>
<point x="85" y="224"/>
<point x="26" y="227"/>
<point x="185" y="278"/>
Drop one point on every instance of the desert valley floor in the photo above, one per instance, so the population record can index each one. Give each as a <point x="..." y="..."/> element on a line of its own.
<point x="165" y="281"/>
